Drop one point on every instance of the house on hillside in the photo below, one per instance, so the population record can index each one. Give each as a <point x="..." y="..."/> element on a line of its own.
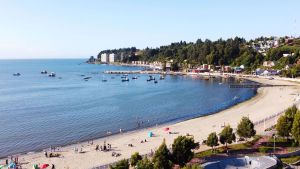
<point x="269" y="63"/>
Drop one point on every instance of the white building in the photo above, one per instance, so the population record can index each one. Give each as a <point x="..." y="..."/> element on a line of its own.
<point x="268" y="63"/>
<point x="104" y="57"/>
<point x="111" y="57"/>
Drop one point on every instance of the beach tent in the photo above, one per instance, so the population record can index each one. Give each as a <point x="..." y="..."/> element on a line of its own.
<point x="42" y="166"/>
<point x="150" y="134"/>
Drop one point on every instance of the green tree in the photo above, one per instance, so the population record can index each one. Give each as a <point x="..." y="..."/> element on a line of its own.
<point x="123" y="164"/>
<point x="144" y="164"/>
<point x="135" y="158"/>
<point x="296" y="127"/>
<point x="245" y="128"/>
<point x="227" y="136"/>
<point x="212" y="140"/>
<point x="283" y="126"/>
<point x="162" y="157"/>
<point x="182" y="149"/>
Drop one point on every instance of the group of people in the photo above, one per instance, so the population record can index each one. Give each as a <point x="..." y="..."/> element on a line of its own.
<point x="103" y="148"/>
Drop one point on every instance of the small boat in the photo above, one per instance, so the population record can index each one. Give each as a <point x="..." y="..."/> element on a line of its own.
<point x="17" y="74"/>
<point x="134" y="77"/>
<point x="52" y="74"/>
<point x="206" y="78"/>
<point x="161" y="77"/>
<point x="220" y="83"/>
<point x="44" y="72"/>
<point x="151" y="77"/>
<point x="235" y="98"/>
<point x="125" y="79"/>
<point x="104" y="80"/>
<point x="87" y="78"/>
<point x="148" y="80"/>
<point x="155" y="81"/>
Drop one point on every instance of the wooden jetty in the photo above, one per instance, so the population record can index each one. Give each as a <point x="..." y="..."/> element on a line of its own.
<point x="142" y="72"/>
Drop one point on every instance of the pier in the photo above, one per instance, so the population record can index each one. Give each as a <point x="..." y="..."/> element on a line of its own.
<point x="142" y="72"/>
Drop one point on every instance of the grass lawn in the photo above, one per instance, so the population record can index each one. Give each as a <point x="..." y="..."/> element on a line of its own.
<point x="290" y="160"/>
<point x="234" y="147"/>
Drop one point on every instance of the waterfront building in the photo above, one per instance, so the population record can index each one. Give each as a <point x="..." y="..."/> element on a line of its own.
<point x="111" y="58"/>
<point x="104" y="58"/>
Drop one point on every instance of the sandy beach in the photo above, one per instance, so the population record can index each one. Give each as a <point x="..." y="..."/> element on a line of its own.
<point x="269" y="101"/>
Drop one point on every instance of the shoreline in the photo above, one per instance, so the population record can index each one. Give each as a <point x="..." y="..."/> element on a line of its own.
<point x="133" y="136"/>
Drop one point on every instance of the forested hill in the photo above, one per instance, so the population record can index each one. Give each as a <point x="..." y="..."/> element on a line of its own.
<point x="236" y="51"/>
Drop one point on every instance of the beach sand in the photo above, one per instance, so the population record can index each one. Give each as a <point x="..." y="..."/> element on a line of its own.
<point x="268" y="101"/>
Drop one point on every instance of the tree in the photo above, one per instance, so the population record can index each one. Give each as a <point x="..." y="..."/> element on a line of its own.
<point x="162" y="157"/>
<point x="246" y="128"/>
<point x="182" y="149"/>
<point x="296" y="127"/>
<point x="135" y="158"/>
<point x="227" y="136"/>
<point x="144" y="164"/>
<point x="283" y="126"/>
<point x="212" y="140"/>
<point x="123" y="164"/>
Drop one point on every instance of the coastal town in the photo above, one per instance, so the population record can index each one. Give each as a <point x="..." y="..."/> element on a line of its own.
<point x="267" y="67"/>
<point x="150" y="84"/>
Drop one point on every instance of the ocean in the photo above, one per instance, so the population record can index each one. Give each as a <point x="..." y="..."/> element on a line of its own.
<point x="37" y="111"/>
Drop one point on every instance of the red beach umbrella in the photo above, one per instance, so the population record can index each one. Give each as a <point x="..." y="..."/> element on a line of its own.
<point x="166" y="129"/>
<point x="42" y="166"/>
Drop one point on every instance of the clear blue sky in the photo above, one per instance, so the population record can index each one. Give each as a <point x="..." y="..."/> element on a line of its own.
<point x="81" y="28"/>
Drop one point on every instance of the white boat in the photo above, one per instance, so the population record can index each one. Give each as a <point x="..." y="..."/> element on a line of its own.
<point x="52" y="74"/>
<point x="44" y="72"/>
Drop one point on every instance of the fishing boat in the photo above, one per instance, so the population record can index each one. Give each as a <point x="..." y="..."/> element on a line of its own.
<point x="134" y="77"/>
<point x="155" y="81"/>
<point x="161" y="77"/>
<point x="17" y="74"/>
<point x="52" y="74"/>
<point x="125" y="79"/>
<point x="44" y="72"/>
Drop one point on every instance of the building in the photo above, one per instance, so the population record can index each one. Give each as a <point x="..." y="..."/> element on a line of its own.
<point x="269" y="63"/>
<point x="168" y="66"/>
<point x="111" y="58"/>
<point x="104" y="58"/>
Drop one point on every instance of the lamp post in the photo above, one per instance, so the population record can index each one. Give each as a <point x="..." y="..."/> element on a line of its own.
<point x="274" y="147"/>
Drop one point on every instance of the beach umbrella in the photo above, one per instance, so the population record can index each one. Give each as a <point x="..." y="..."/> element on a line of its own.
<point x="12" y="165"/>
<point x="150" y="133"/>
<point x="42" y="166"/>
<point x="35" y="166"/>
<point x="166" y="129"/>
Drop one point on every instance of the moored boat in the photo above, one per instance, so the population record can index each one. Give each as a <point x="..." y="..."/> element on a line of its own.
<point x="44" y="72"/>
<point x="17" y="74"/>
<point x="52" y="74"/>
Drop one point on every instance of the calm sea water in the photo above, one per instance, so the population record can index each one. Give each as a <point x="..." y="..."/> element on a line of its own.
<point x="37" y="111"/>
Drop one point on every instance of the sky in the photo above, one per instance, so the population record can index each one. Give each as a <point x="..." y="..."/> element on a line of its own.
<point x="82" y="28"/>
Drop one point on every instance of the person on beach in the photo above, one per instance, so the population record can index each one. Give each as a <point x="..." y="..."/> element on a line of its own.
<point x="53" y="167"/>
<point x="46" y="155"/>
